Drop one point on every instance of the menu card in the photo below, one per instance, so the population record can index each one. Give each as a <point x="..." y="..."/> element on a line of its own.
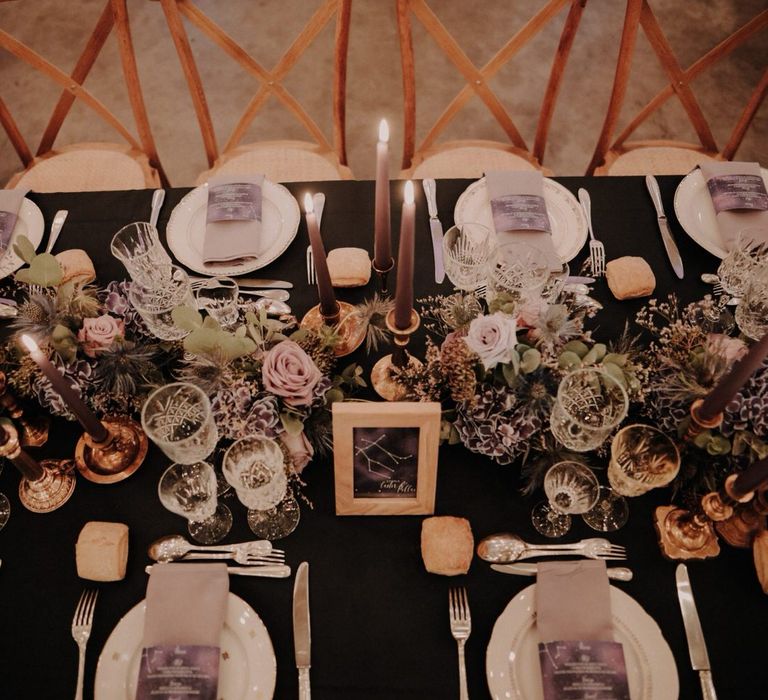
<point x="10" y="201"/>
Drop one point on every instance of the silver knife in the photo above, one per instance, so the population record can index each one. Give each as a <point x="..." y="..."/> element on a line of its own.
<point x="58" y="222"/>
<point x="666" y="235"/>
<point x="261" y="571"/>
<point x="158" y="197"/>
<point x="696" y="646"/>
<point x="253" y="282"/>
<point x="618" y="573"/>
<point x="301" y="631"/>
<point x="435" y="227"/>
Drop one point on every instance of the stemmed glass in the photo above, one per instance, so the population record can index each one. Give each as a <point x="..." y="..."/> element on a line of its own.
<point x="742" y="261"/>
<point x="155" y="297"/>
<point x="517" y="272"/>
<point x="218" y="296"/>
<point x="752" y="311"/>
<point x="467" y="248"/>
<point x="255" y="468"/>
<point x="138" y="247"/>
<point x="571" y="489"/>
<point x="189" y="490"/>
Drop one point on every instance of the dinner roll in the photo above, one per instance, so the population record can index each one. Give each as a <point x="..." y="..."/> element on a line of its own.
<point x="447" y="545"/>
<point x="349" y="267"/>
<point x="76" y="266"/>
<point x="630" y="277"/>
<point x="102" y="551"/>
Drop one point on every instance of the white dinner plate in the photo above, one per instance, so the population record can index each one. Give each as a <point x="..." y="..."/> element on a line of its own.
<point x="569" y="225"/>
<point x="512" y="659"/>
<point x="30" y="224"/>
<point x="696" y="213"/>
<point x="186" y="230"/>
<point x="247" y="668"/>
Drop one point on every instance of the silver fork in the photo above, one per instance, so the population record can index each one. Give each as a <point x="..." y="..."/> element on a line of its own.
<point x="596" y="248"/>
<point x="241" y="557"/>
<point x="318" y="202"/>
<point x="81" y="630"/>
<point x="593" y="548"/>
<point x="461" y="627"/>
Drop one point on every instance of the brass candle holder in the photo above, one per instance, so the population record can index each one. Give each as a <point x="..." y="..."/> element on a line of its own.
<point x="346" y="322"/>
<point x="747" y="516"/>
<point x="117" y="457"/>
<point x="382" y="274"/>
<point x="44" y="486"/>
<point x="34" y="431"/>
<point x="699" y="424"/>
<point x="382" y="379"/>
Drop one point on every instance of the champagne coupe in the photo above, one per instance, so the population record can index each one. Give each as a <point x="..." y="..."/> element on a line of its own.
<point x="571" y="489"/>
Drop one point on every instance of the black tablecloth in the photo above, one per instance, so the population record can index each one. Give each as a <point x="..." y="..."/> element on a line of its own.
<point x="379" y="621"/>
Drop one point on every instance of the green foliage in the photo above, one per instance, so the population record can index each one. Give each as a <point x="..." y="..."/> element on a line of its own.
<point x="64" y="342"/>
<point x="43" y="269"/>
<point x="207" y="337"/>
<point x="24" y="249"/>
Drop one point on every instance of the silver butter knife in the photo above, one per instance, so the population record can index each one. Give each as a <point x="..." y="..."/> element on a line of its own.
<point x="618" y="573"/>
<point x="158" y="197"/>
<point x="697" y="648"/>
<point x="253" y="282"/>
<point x="435" y="227"/>
<point x="301" y="629"/>
<point x="261" y="571"/>
<point x="58" y="221"/>
<point x="666" y="235"/>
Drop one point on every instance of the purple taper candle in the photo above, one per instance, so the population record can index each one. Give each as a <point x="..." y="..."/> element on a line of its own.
<point x="752" y="477"/>
<point x="382" y="243"/>
<point x="28" y="466"/>
<point x="715" y="402"/>
<point x="328" y="305"/>
<point x="404" y="294"/>
<point x="91" y="424"/>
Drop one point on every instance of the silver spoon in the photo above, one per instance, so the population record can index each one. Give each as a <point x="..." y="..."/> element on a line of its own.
<point x="504" y="548"/>
<point x="171" y="547"/>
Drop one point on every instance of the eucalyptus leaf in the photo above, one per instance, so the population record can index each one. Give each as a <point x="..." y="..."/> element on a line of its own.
<point x="616" y="359"/>
<point x="577" y="347"/>
<point x="45" y="270"/>
<point x="333" y="395"/>
<point x="291" y="423"/>
<point x="530" y="361"/>
<point x="187" y="318"/>
<point x="569" y="360"/>
<point x="509" y="374"/>
<point x="24" y="249"/>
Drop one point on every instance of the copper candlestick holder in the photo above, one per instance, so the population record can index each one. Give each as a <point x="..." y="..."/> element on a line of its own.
<point x="383" y="274"/>
<point x="45" y="486"/>
<point x="382" y="378"/>
<point x="747" y="516"/>
<point x="117" y="457"/>
<point x="346" y="322"/>
<point x="698" y="424"/>
<point x="34" y="431"/>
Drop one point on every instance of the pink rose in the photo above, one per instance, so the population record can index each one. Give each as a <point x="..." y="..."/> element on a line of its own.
<point x="300" y="449"/>
<point x="289" y="372"/>
<point x="730" y="349"/>
<point x="98" y="333"/>
<point x="493" y="338"/>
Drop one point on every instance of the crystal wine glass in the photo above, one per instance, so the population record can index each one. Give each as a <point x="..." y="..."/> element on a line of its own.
<point x="752" y="311"/>
<point x="743" y="260"/>
<point x="189" y="490"/>
<point x="517" y="272"/>
<point x="218" y="296"/>
<point x="138" y="247"/>
<point x="155" y="298"/>
<point x="255" y="468"/>
<point x="571" y="489"/>
<point x="610" y="512"/>
<point x="467" y="248"/>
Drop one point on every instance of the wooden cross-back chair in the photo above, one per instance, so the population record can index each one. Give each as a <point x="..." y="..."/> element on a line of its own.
<point x="86" y="166"/>
<point x="280" y="161"/>
<point x="470" y="158"/>
<point x="623" y="157"/>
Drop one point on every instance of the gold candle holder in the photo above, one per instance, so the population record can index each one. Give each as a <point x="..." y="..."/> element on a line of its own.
<point x="382" y="274"/>
<point x="685" y="535"/>
<point x="382" y="379"/>
<point x="746" y="519"/>
<point x="347" y="323"/>
<point x="34" y="431"/>
<point x="698" y="424"/>
<point x="117" y="457"/>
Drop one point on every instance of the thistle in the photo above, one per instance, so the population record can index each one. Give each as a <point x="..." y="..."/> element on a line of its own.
<point x="373" y="313"/>
<point x="125" y="367"/>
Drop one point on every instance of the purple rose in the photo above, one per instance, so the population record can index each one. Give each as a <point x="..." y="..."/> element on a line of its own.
<point x="290" y="373"/>
<point x="300" y="449"/>
<point x="493" y="338"/>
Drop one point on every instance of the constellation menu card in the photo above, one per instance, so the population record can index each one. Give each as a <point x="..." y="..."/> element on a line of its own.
<point x="386" y="462"/>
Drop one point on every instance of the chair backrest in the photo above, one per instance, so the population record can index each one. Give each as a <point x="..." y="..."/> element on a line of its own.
<point x="270" y="80"/>
<point x="477" y="79"/>
<point x="114" y="16"/>
<point x="640" y="15"/>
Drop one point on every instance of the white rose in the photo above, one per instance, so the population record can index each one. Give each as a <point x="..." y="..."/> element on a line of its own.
<point x="493" y="338"/>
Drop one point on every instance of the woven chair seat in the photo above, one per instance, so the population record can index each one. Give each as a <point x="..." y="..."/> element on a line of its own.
<point x="468" y="161"/>
<point x="88" y="167"/>
<point x="654" y="160"/>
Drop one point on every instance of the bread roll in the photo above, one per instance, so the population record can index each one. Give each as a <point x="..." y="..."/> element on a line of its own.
<point x="349" y="267"/>
<point x="447" y="545"/>
<point x="630" y="277"/>
<point x="102" y="551"/>
<point x="76" y="266"/>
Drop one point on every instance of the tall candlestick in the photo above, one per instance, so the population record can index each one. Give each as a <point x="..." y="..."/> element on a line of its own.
<point x="328" y="305"/>
<point x="91" y="424"/>
<point x="28" y="467"/>
<point x="716" y="401"/>
<point x="382" y="253"/>
<point x="752" y="477"/>
<point x="404" y="294"/>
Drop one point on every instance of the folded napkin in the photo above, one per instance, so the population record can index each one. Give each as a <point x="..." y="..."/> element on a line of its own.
<point x="233" y="218"/>
<point x="10" y="203"/>
<point x="518" y="207"/>
<point x="186" y="605"/>
<point x="740" y="200"/>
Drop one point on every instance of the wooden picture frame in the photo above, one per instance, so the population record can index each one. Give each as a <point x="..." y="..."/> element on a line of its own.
<point x="385" y="457"/>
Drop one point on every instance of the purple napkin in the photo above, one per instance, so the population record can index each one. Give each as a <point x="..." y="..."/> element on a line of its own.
<point x="740" y="200"/>
<point x="518" y="208"/>
<point x="10" y="202"/>
<point x="186" y="605"/>
<point x="233" y="218"/>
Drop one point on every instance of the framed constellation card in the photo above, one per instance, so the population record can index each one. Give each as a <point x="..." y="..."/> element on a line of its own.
<point x="385" y="457"/>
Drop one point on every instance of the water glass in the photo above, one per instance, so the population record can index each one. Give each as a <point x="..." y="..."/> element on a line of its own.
<point x="156" y="296"/>
<point x="178" y="419"/>
<point x="467" y="248"/>
<point x="642" y="458"/>
<point x="218" y="296"/>
<point x="590" y="404"/>
<point x="138" y="247"/>
<point x="517" y="272"/>
<point x="752" y="311"/>
<point x="742" y="262"/>
<point x="610" y="513"/>
<point x="189" y="490"/>
<point x="255" y="468"/>
<point x="571" y="488"/>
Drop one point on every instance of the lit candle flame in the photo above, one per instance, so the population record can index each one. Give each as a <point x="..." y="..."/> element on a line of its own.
<point x="309" y="205"/>
<point x="383" y="131"/>
<point x="408" y="194"/>
<point x="29" y="343"/>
